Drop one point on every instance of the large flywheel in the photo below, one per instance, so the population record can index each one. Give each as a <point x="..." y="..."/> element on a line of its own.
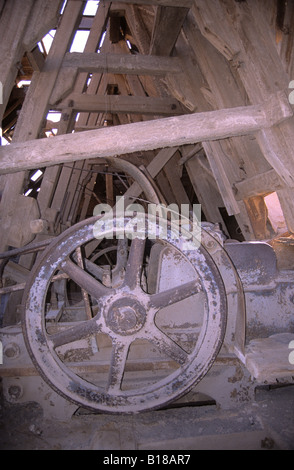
<point x="131" y="318"/>
<point x="148" y="326"/>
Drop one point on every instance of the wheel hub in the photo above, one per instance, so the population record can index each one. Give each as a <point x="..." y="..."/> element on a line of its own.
<point x="125" y="316"/>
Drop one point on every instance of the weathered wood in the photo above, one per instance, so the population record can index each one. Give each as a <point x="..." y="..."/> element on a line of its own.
<point x="43" y="18"/>
<point x="258" y="213"/>
<point x="138" y="64"/>
<point x="215" y="154"/>
<point x="11" y="44"/>
<point x="246" y="39"/>
<point x="204" y="185"/>
<point x="231" y="159"/>
<point x="73" y="191"/>
<point x="89" y="186"/>
<point x="20" y="30"/>
<point x="153" y="169"/>
<point x="258" y="185"/>
<point x="217" y="32"/>
<point x="68" y="80"/>
<point x="287" y="205"/>
<point x="36" y="105"/>
<point x="109" y="189"/>
<point x="71" y="217"/>
<point x="166" y="3"/>
<point x="16" y="272"/>
<point x="61" y="192"/>
<point x="172" y="171"/>
<point x="258" y="65"/>
<point x="121" y="104"/>
<point x="167" y="26"/>
<point x="149" y="135"/>
<point x="47" y="188"/>
<point x="160" y="160"/>
<point x="195" y="149"/>
<point x="96" y="32"/>
<point x="140" y="33"/>
<point x="19" y="233"/>
<point x="141" y="36"/>
<point x="36" y="59"/>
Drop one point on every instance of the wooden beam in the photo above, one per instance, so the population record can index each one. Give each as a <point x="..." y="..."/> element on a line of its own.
<point x="258" y="214"/>
<point x="36" y="59"/>
<point x="11" y="44"/>
<point x="148" y="135"/>
<point x="75" y="63"/>
<point x="217" y="32"/>
<point x="109" y="189"/>
<point x="172" y="172"/>
<point x="121" y="104"/>
<point x="167" y="26"/>
<point x="121" y="63"/>
<point x="215" y="156"/>
<point x="37" y="99"/>
<point x="44" y="17"/>
<point x="165" y="3"/>
<point x="35" y="108"/>
<point x="257" y="61"/>
<point x="153" y="169"/>
<point x="205" y="189"/>
<point x="258" y="185"/>
<point x="160" y="160"/>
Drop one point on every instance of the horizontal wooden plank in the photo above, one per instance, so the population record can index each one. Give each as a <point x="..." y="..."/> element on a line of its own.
<point x="138" y="64"/>
<point x="121" y="104"/>
<point x="140" y="136"/>
<point x="165" y="3"/>
<point x="258" y="185"/>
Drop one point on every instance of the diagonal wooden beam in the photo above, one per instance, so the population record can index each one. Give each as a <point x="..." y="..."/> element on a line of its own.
<point x="167" y="26"/>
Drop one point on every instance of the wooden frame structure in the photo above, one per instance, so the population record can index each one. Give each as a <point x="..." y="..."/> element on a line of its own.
<point x="194" y="91"/>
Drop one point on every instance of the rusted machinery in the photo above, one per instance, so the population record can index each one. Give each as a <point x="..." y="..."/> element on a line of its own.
<point x="122" y="326"/>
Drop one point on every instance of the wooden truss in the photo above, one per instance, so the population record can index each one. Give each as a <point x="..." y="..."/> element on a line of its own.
<point x="193" y="91"/>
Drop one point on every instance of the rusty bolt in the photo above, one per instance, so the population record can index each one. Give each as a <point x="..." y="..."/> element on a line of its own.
<point x="15" y="392"/>
<point x="210" y="244"/>
<point x="12" y="350"/>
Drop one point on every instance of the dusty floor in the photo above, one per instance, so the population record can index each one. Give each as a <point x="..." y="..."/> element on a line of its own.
<point x="267" y="423"/>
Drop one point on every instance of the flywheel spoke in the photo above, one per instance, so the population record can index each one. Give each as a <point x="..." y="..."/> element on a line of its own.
<point x="135" y="263"/>
<point x="176" y="294"/>
<point x="122" y="253"/>
<point x="84" y="280"/>
<point x="117" y="366"/>
<point x="81" y="330"/>
<point x="167" y="346"/>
